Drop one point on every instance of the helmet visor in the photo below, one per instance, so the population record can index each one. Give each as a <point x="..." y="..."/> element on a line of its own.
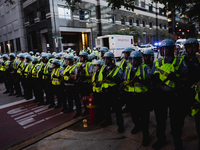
<point x="191" y="48"/>
<point x="135" y="61"/>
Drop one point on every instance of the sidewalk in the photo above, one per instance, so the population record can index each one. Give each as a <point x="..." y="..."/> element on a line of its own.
<point x="94" y="137"/>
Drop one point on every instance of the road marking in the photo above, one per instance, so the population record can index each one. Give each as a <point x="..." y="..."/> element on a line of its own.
<point x="26" y="118"/>
<point x="34" y="123"/>
<point x="20" y="113"/>
<point x="31" y="113"/>
<point x="15" y="103"/>
<point x="53" y="116"/>
<point x="27" y="121"/>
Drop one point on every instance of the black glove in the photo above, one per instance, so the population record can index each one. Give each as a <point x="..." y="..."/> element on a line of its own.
<point x="196" y="105"/>
<point x="3" y="64"/>
<point x="67" y="73"/>
<point x="54" y="76"/>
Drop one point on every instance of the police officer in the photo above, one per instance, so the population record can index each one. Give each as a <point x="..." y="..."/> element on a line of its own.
<point x="83" y="78"/>
<point x="20" y="67"/>
<point x="26" y="80"/>
<point x="193" y="63"/>
<point x="69" y="75"/>
<point x="96" y="53"/>
<point x="124" y="62"/>
<point x="103" y="50"/>
<point x="4" y="70"/>
<point x="57" y="84"/>
<point x="110" y="77"/>
<point x="169" y="72"/>
<point x="148" y="56"/>
<point x="136" y="78"/>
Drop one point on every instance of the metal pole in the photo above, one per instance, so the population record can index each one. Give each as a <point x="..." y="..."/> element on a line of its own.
<point x="98" y="16"/>
<point x="55" y="32"/>
<point x="157" y="27"/>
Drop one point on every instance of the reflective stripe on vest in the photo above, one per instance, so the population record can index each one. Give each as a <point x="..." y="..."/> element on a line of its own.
<point x="68" y="69"/>
<point x="22" y="65"/>
<point x="112" y="73"/>
<point x="34" y="71"/>
<point x="195" y="111"/>
<point x="56" y="81"/>
<point x="27" y="69"/>
<point x="94" y="88"/>
<point x="6" y="64"/>
<point x="46" y="71"/>
<point x="164" y="69"/>
<point x="137" y="87"/>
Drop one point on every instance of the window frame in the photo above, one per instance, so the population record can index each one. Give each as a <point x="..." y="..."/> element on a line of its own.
<point x="80" y="15"/>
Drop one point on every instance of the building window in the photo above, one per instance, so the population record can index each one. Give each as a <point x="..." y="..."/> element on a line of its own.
<point x="136" y="2"/>
<point x="2" y="48"/>
<point x="131" y="22"/>
<point x="165" y="27"/>
<point x="160" y="11"/>
<point x="138" y="23"/>
<point x="144" y="23"/>
<point x="150" y="24"/>
<point x="123" y="20"/>
<point x="6" y="45"/>
<point x="150" y="8"/>
<point x="164" y="12"/>
<point x="111" y="19"/>
<point x="42" y="14"/>
<point x="31" y="18"/>
<point x="12" y="46"/>
<point x="18" y="45"/>
<point x="64" y="13"/>
<point x="84" y="15"/>
<point x="160" y="26"/>
<point x="143" y="4"/>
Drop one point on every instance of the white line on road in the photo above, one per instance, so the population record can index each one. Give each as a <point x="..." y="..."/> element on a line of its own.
<point x="15" y="103"/>
<point x="34" y="123"/>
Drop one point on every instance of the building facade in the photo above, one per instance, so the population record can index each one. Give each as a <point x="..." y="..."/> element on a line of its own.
<point x="11" y="28"/>
<point x="51" y="26"/>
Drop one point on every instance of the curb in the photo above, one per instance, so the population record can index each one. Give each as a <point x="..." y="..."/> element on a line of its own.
<point x="41" y="136"/>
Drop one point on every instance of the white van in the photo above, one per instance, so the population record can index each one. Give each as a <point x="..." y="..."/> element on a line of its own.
<point x="180" y="43"/>
<point x="115" y="43"/>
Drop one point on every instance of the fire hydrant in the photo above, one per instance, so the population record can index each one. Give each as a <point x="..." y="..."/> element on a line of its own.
<point x="94" y="114"/>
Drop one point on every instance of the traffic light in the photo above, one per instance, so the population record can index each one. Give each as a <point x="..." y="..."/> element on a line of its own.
<point x="188" y="30"/>
<point x="179" y="30"/>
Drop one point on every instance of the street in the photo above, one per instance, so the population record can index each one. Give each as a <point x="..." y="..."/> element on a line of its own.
<point x="23" y="123"/>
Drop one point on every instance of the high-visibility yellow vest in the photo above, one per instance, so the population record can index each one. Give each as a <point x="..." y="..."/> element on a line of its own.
<point x="56" y="81"/>
<point x="46" y="71"/>
<point x="34" y="71"/>
<point x="27" y="69"/>
<point x="22" y="65"/>
<point x="164" y="69"/>
<point x="87" y="66"/>
<point x="95" y="88"/>
<point x="15" y="64"/>
<point x="5" y="64"/>
<point x="136" y="86"/>
<point x="68" y="69"/>
<point x="195" y="111"/>
<point x="112" y="74"/>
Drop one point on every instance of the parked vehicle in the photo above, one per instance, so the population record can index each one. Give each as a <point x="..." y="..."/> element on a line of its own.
<point x="143" y="48"/>
<point x="115" y="43"/>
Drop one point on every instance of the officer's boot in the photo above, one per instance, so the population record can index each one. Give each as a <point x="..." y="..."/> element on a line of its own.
<point x="146" y="138"/>
<point x="158" y="144"/>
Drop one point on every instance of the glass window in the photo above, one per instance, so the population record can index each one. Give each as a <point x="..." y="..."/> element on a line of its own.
<point x="31" y="18"/>
<point x="111" y="19"/>
<point x="165" y="27"/>
<point x="6" y="45"/>
<point x="137" y="2"/>
<point x="160" y="11"/>
<point x="18" y="45"/>
<point x="143" y="4"/>
<point x="12" y="46"/>
<point x="138" y="23"/>
<point x="42" y="14"/>
<point x="123" y="20"/>
<point x="150" y="8"/>
<point x="2" y="48"/>
<point x="64" y="13"/>
<point x="144" y="23"/>
<point x="150" y="25"/>
<point x="84" y="15"/>
<point x="131" y="22"/>
<point x="160" y="26"/>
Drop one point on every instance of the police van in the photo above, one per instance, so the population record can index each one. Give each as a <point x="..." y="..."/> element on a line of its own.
<point x="115" y="43"/>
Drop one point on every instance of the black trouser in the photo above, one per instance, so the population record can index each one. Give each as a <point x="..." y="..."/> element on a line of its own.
<point x="164" y="101"/>
<point x="17" y="85"/>
<point x="138" y="105"/>
<point x="72" y="94"/>
<point x="47" y="87"/>
<point x="197" y="122"/>
<point x="58" y="91"/>
<point x="37" y="90"/>
<point x="111" y="99"/>
<point x="23" y="83"/>
<point x="7" y="81"/>
<point x="84" y="89"/>
<point x="28" y="88"/>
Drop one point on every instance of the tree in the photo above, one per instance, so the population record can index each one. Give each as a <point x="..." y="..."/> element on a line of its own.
<point x="162" y="34"/>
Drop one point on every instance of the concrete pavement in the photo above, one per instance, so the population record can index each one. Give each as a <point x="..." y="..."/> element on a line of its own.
<point x="94" y="137"/>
